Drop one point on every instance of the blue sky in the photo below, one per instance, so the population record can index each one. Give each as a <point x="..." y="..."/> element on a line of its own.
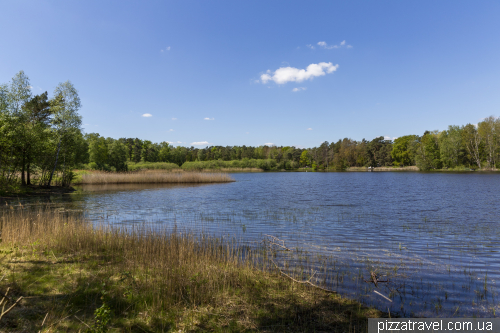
<point x="224" y="72"/>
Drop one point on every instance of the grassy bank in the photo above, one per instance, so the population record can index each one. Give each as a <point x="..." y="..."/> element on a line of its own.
<point x="407" y="168"/>
<point x="244" y="164"/>
<point x="151" y="176"/>
<point x="152" y="166"/>
<point x="75" y="277"/>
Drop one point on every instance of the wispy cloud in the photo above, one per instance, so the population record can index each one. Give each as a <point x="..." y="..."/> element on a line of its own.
<point x="269" y="144"/>
<point x="299" y="89"/>
<point x="386" y="137"/>
<point x="199" y="143"/>
<point x="310" y="46"/>
<point x="147" y="115"/>
<point x="174" y="118"/>
<point x="165" y="49"/>
<point x="170" y="130"/>
<point x="208" y="118"/>
<point x="309" y="129"/>
<point x="291" y="74"/>
<point x="324" y="45"/>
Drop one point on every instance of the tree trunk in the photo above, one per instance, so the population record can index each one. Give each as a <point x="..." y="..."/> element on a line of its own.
<point x="23" y="179"/>
<point x="28" y="178"/>
<point x="55" y="165"/>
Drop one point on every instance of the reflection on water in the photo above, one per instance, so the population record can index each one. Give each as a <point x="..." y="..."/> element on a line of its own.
<point x="435" y="237"/>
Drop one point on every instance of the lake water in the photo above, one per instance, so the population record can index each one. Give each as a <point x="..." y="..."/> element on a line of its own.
<point x="434" y="236"/>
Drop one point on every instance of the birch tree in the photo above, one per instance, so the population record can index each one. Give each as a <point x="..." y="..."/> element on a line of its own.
<point x="472" y="141"/>
<point x="488" y="130"/>
<point x="66" y="119"/>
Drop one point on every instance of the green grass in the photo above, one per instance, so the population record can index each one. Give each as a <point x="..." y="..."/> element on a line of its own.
<point x="132" y="166"/>
<point x="75" y="275"/>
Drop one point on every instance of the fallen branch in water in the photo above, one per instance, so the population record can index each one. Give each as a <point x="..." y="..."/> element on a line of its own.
<point x="276" y="241"/>
<point x="308" y="282"/>
<point x="374" y="279"/>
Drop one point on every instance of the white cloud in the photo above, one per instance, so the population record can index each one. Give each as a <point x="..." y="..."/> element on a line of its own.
<point x="309" y="129"/>
<point x="310" y="46"/>
<point x="199" y="143"/>
<point x="174" y="118"/>
<point x="170" y="130"/>
<point x="269" y="144"/>
<point x="166" y="49"/>
<point x="386" y="137"/>
<point x="291" y="74"/>
<point x="208" y="118"/>
<point x="324" y="45"/>
<point x="147" y="115"/>
<point x="299" y="89"/>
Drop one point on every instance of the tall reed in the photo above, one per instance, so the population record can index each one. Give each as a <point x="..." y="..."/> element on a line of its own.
<point x="154" y="176"/>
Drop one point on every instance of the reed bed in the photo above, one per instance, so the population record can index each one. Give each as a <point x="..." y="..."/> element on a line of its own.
<point x="154" y="176"/>
<point x="77" y="276"/>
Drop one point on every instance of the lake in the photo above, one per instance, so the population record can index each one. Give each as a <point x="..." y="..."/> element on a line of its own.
<point x="434" y="237"/>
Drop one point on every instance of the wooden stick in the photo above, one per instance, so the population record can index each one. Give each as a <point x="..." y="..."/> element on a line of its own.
<point x="387" y="298"/>
<point x="4" y="297"/>
<point x="8" y="310"/>
<point x="302" y="282"/>
<point x="82" y="322"/>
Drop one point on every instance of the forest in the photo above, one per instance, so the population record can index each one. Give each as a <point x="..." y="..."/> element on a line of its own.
<point x="41" y="141"/>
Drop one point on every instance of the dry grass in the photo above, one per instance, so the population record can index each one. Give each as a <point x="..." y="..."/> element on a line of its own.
<point x="154" y="176"/>
<point x="150" y="281"/>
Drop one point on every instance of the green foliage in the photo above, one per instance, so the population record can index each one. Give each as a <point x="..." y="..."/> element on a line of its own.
<point x="102" y="317"/>
<point x="404" y="149"/>
<point x="427" y="155"/>
<point x="304" y="158"/>
<point x="117" y="156"/>
<point x="151" y="166"/>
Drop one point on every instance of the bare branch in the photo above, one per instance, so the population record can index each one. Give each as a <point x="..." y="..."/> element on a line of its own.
<point x="302" y="282"/>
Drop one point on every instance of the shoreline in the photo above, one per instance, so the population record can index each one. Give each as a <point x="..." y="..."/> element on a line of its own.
<point x="75" y="276"/>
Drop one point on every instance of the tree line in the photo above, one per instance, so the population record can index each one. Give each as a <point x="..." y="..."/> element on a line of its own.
<point x="41" y="138"/>
<point x="458" y="147"/>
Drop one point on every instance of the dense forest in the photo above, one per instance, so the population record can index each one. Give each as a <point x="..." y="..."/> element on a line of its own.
<point x="41" y="138"/>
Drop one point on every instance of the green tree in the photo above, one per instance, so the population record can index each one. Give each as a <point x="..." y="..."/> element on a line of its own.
<point x="403" y="150"/>
<point x="489" y="131"/>
<point x="428" y="156"/>
<point x="34" y="123"/>
<point x="117" y="156"/>
<point x="98" y="152"/>
<point x="472" y="141"/>
<point x="66" y="119"/>
<point x="451" y="147"/>
<point x="304" y="158"/>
